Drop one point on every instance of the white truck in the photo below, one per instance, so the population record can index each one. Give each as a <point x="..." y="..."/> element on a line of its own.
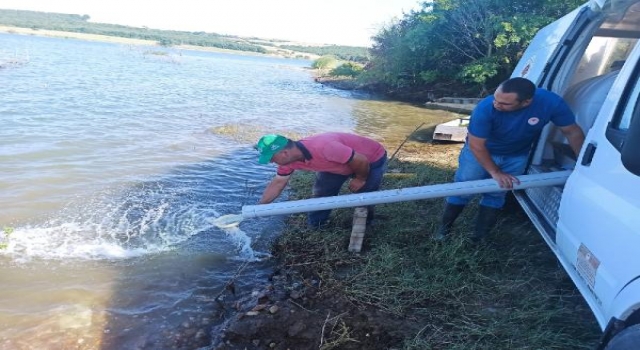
<point x="591" y="57"/>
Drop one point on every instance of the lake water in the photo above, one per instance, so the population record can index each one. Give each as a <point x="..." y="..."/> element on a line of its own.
<point x="116" y="159"/>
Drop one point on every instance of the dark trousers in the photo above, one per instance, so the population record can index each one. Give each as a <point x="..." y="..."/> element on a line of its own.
<point x="328" y="184"/>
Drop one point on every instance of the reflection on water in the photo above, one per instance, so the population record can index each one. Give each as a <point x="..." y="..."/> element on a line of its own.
<point x="115" y="164"/>
<point x="391" y="121"/>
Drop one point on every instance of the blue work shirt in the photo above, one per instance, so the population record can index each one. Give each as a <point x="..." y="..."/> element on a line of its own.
<point x="512" y="133"/>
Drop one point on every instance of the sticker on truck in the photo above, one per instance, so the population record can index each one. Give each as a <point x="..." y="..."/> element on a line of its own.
<point x="587" y="265"/>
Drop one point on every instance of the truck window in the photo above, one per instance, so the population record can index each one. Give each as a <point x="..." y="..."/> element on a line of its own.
<point x="630" y="123"/>
<point x="586" y="76"/>
<point x="629" y="108"/>
<point x="602" y="56"/>
<point x="607" y="46"/>
<point x="624" y="121"/>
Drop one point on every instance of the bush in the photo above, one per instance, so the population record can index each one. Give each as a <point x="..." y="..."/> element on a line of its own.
<point x="348" y="69"/>
<point x="325" y="62"/>
<point x="165" y="42"/>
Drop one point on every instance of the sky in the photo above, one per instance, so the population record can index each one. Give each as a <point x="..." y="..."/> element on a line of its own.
<point x="339" y="22"/>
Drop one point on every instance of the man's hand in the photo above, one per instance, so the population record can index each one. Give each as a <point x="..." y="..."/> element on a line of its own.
<point x="575" y="136"/>
<point x="477" y="146"/>
<point x="360" y="167"/>
<point x="356" y="184"/>
<point x="505" y="180"/>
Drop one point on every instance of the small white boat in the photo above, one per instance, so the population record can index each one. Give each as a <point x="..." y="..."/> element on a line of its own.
<point x="454" y="130"/>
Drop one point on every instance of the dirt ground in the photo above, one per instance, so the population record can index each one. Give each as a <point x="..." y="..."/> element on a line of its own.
<point x="292" y="313"/>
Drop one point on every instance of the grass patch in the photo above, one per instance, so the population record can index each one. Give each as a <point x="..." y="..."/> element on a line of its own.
<point x="508" y="293"/>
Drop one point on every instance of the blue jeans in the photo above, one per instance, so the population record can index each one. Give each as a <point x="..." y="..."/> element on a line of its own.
<point x="469" y="169"/>
<point x="328" y="184"/>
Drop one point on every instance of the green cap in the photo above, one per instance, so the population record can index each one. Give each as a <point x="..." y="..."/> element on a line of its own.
<point x="269" y="145"/>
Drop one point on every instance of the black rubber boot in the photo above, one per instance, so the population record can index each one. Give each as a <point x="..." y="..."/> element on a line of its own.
<point x="370" y="214"/>
<point x="451" y="213"/>
<point x="485" y="221"/>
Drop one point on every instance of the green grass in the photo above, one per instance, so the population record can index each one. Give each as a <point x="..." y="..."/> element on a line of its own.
<point x="508" y="293"/>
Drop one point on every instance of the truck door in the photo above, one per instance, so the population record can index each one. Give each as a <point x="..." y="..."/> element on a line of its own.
<point x="598" y="231"/>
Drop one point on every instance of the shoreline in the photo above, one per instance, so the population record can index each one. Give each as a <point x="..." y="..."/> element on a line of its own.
<point x="272" y="50"/>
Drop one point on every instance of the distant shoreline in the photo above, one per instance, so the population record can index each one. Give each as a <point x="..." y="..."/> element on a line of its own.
<point x="130" y="41"/>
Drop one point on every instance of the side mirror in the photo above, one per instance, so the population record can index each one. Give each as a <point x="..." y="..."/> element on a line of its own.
<point x="631" y="146"/>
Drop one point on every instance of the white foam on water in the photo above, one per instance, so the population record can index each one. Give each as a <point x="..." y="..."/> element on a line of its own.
<point x="68" y="240"/>
<point x="228" y="221"/>
<point x="243" y="242"/>
<point x="129" y="226"/>
<point x="116" y="237"/>
<point x="107" y="232"/>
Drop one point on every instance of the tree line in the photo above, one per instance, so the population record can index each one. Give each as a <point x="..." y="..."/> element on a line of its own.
<point x="456" y="47"/>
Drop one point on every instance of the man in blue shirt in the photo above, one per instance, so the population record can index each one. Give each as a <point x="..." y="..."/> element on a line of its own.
<point x="501" y="131"/>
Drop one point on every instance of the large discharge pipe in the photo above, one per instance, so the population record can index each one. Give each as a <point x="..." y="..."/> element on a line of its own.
<point x="401" y="195"/>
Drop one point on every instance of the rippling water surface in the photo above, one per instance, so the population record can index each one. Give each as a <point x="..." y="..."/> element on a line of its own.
<point x="116" y="158"/>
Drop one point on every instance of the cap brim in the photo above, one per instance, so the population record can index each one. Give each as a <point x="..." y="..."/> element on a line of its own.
<point x="265" y="158"/>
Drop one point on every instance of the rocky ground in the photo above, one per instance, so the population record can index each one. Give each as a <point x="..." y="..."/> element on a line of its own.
<point x="294" y="313"/>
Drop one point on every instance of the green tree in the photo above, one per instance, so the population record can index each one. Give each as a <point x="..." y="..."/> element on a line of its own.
<point x="458" y="46"/>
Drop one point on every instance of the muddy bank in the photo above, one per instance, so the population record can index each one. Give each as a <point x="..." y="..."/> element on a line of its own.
<point x="294" y="312"/>
<point x="402" y="94"/>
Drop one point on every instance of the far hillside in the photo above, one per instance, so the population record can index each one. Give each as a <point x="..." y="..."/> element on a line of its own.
<point x="81" y="24"/>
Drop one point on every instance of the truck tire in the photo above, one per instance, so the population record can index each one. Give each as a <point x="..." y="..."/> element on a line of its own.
<point x="627" y="339"/>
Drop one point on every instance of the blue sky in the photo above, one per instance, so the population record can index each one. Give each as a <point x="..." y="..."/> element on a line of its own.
<point x="341" y="22"/>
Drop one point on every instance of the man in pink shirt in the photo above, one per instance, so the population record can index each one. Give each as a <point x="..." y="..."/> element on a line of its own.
<point x="335" y="157"/>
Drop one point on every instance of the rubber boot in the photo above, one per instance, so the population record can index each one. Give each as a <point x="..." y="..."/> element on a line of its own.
<point x="485" y="221"/>
<point x="371" y="211"/>
<point x="451" y="213"/>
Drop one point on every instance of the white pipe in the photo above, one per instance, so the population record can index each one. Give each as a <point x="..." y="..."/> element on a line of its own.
<point x="401" y="195"/>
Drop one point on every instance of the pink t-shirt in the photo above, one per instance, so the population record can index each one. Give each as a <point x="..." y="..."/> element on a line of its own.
<point x="330" y="152"/>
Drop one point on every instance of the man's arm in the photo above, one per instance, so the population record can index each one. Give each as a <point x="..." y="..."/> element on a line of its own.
<point x="575" y="136"/>
<point x="359" y="164"/>
<point x="480" y="151"/>
<point x="274" y="189"/>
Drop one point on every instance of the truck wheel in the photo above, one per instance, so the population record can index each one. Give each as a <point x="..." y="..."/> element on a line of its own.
<point x="627" y="339"/>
